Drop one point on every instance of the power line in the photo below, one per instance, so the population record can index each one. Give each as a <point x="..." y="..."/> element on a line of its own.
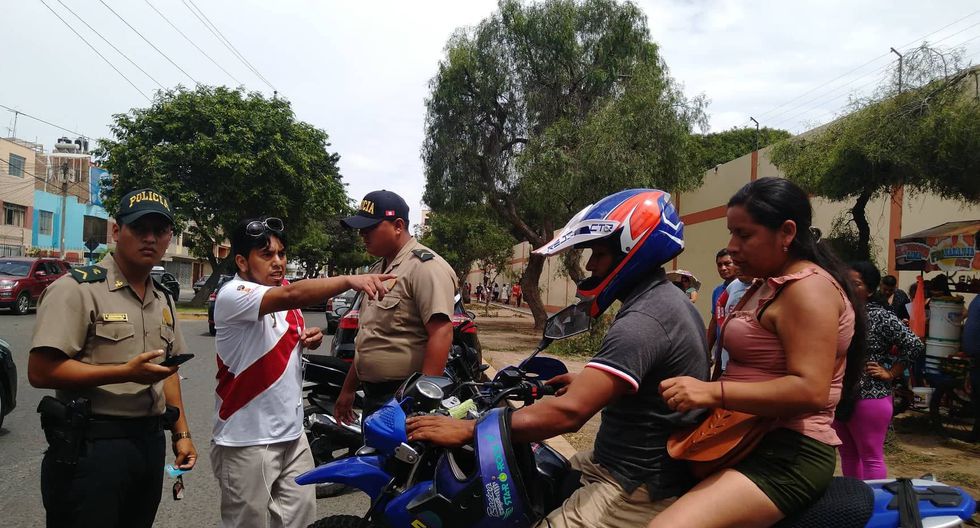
<point x="79" y="134"/>
<point x="148" y="42"/>
<point x="121" y="74"/>
<point x="191" y="41"/>
<point x="110" y="44"/>
<point x="820" y="98"/>
<point x="221" y="38"/>
<point x="763" y="114"/>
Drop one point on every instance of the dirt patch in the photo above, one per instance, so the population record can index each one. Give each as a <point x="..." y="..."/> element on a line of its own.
<point x="913" y="450"/>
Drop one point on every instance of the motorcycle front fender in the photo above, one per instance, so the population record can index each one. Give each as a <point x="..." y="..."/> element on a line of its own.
<point x="361" y="472"/>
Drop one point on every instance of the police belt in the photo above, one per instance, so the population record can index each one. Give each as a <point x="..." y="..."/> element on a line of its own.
<point x="101" y="427"/>
<point x="383" y="388"/>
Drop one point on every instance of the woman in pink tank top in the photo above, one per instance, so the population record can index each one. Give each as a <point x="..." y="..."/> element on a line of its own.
<point x="796" y="349"/>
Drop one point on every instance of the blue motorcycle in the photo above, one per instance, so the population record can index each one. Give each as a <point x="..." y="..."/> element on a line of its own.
<point x="496" y="483"/>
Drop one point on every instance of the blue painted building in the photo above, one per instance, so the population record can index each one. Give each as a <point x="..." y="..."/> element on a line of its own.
<point x="83" y="221"/>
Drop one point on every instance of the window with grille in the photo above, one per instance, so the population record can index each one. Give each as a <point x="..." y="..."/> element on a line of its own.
<point x="45" y="222"/>
<point x="15" y="167"/>
<point x="13" y="214"/>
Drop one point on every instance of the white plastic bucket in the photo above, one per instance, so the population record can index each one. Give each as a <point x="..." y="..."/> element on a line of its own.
<point x="945" y="319"/>
<point x="921" y="396"/>
<point x="941" y="347"/>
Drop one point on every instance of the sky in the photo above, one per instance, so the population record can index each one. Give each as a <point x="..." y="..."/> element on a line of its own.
<point x="361" y="70"/>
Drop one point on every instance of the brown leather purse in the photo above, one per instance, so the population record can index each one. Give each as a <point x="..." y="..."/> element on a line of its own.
<point x="722" y="440"/>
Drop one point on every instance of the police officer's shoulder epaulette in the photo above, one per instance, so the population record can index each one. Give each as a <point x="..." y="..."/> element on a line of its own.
<point x="424" y="254"/>
<point x="88" y="274"/>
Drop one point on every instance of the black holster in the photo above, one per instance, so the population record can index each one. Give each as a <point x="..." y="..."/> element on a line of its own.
<point x="64" y="427"/>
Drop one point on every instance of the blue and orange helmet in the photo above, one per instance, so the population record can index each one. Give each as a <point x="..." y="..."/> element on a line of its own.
<point x="641" y="223"/>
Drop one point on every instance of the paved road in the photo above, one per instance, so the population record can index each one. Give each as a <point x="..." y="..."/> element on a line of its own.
<point x="22" y="442"/>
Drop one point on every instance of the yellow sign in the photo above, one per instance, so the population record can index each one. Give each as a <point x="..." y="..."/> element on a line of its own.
<point x="115" y="316"/>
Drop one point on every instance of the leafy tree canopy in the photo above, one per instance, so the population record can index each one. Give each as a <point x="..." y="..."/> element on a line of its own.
<point x="221" y="155"/>
<point x="546" y="107"/>
<point x="721" y="147"/>
<point x="465" y="237"/>
<point x="926" y="138"/>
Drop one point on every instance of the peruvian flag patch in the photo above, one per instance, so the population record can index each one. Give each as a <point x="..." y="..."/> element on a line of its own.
<point x="390" y="212"/>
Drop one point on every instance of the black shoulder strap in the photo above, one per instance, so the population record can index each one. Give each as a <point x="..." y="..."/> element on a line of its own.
<point x="88" y="274"/>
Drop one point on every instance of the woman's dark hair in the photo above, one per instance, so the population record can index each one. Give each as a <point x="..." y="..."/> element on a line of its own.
<point x="771" y="202"/>
<point x="243" y="243"/>
<point x="869" y="273"/>
<point x="889" y="280"/>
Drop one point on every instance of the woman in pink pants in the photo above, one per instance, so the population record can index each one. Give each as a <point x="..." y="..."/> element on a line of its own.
<point x="863" y="433"/>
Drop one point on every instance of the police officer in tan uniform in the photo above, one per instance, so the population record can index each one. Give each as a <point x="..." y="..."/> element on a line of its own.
<point x="409" y="330"/>
<point x="101" y="335"/>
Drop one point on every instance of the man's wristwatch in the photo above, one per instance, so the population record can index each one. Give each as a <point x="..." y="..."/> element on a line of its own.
<point x="179" y="436"/>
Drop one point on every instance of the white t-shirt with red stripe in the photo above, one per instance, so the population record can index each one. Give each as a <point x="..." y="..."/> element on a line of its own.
<point x="258" y="399"/>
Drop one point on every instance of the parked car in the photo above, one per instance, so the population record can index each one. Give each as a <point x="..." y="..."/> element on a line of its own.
<point x="342" y="345"/>
<point x="338" y="302"/>
<point x="8" y="381"/>
<point x="214" y="295"/>
<point x="316" y="307"/>
<point x="200" y="283"/>
<point x="23" y="279"/>
<point x="168" y="281"/>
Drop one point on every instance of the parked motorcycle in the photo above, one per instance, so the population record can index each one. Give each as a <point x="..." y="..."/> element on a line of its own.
<point x="496" y="483"/>
<point x="323" y="378"/>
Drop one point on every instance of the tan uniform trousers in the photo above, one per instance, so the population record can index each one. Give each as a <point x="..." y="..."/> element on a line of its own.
<point x="602" y="502"/>
<point x="257" y="484"/>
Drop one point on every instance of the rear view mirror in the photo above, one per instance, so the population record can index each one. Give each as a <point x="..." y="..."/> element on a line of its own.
<point x="545" y="367"/>
<point x="572" y="320"/>
<point x="342" y="311"/>
<point x="471" y="314"/>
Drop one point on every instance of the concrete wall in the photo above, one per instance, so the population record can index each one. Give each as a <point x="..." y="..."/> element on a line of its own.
<point x="17" y="190"/>
<point x="705" y="230"/>
<point x="75" y="214"/>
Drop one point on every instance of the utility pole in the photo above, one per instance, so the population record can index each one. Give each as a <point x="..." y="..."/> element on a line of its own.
<point x="756" y="132"/>
<point x="895" y="51"/>
<point x="64" y="204"/>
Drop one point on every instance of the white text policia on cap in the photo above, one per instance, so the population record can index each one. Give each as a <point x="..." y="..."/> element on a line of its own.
<point x="148" y="196"/>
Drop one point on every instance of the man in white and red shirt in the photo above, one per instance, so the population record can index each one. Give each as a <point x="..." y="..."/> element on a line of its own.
<point x="259" y="446"/>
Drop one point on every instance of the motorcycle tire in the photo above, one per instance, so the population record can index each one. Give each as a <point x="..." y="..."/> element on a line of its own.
<point x="343" y="521"/>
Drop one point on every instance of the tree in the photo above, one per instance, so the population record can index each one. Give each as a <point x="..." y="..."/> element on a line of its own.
<point x="925" y="137"/>
<point x="221" y="154"/>
<point x="544" y="108"/>
<point x="721" y="147"/>
<point x="465" y="237"/>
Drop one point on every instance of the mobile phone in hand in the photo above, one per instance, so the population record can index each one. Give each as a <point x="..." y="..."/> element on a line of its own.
<point x="173" y="361"/>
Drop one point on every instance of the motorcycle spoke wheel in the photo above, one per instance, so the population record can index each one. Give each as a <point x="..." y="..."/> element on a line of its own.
<point x="953" y="414"/>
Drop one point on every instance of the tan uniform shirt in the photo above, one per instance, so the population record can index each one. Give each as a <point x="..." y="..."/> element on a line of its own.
<point x="105" y="323"/>
<point x="391" y="341"/>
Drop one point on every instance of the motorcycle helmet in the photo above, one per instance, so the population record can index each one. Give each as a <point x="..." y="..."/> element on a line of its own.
<point x="640" y="224"/>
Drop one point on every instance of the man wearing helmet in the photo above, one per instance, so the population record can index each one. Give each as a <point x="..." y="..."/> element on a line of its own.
<point x="627" y="478"/>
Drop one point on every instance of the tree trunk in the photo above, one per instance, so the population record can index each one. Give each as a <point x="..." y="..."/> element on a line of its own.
<point x="216" y="268"/>
<point x="861" y="221"/>
<point x="570" y="260"/>
<point x="532" y="294"/>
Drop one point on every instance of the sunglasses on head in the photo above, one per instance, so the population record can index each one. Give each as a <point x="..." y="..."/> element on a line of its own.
<point x="257" y="228"/>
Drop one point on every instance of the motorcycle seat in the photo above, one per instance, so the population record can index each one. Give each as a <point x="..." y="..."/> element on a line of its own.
<point x="847" y="502"/>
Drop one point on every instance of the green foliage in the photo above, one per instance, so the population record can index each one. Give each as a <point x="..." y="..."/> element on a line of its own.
<point x="465" y="237"/>
<point x="327" y="243"/>
<point x="544" y="108"/>
<point x="721" y="147"/>
<point x="586" y="345"/>
<point x="926" y="138"/>
<point x="221" y="155"/>
<point x="844" y="239"/>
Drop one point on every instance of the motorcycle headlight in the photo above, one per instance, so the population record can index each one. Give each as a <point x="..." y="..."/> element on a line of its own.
<point x="7" y="284"/>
